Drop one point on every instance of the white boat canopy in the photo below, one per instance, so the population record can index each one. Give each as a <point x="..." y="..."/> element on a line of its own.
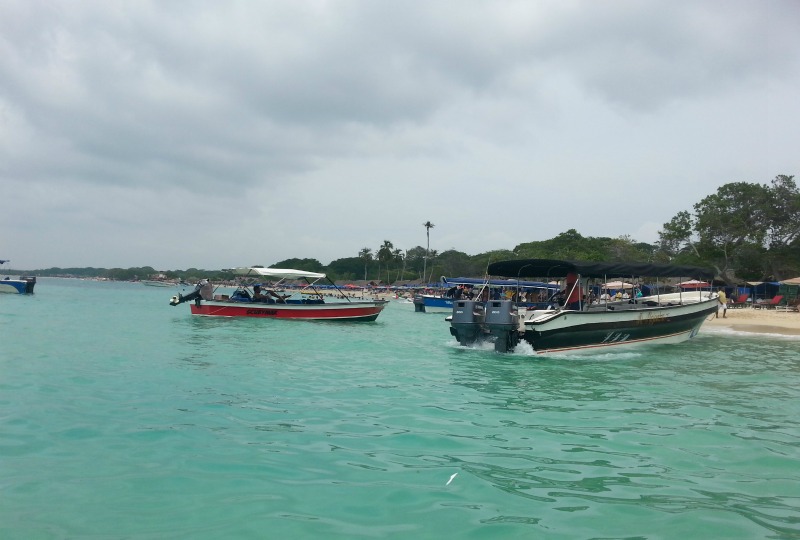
<point x="278" y="273"/>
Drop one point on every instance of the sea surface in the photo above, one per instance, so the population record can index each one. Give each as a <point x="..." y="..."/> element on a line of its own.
<point x="122" y="417"/>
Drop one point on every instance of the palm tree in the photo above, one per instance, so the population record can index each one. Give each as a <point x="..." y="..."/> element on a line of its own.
<point x="434" y="253"/>
<point x="428" y="226"/>
<point x="385" y="256"/>
<point x="397" y="256"/>
<point x="366" y="255"/>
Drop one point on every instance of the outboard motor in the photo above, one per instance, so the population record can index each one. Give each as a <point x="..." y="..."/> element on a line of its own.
<point x="30" y="283"/>
<point x="419" y="304"/>
<point x="466" y="322"/>
<point x="501" y="321"/>
<point x="203" y="290"/>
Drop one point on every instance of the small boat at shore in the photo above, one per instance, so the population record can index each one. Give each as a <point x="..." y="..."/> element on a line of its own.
<point x="461" y="287"/>
<point x="268" y="300"/>
<point x="580" y="323"/>
<point x="20" y="285"/>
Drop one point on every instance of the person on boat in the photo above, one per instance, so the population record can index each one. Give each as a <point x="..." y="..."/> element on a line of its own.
<point x="258" y="296"/>
<point x="572" y="292"/>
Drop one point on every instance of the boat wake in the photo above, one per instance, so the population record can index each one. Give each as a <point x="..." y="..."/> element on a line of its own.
<point x="524" y="348"/>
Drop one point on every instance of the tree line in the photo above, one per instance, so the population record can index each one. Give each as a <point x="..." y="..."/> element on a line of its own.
<point x="744" y="231"/>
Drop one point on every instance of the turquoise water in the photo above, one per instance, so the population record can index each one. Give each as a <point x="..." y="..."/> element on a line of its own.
<point x="124" y="417"/>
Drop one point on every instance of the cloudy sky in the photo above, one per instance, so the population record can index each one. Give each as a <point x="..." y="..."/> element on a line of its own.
<point x="215" y="134"/>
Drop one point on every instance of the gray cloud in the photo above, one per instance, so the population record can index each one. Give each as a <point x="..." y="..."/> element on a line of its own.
<point x="137" y="126"/>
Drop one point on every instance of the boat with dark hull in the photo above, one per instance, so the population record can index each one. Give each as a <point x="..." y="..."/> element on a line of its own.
<point x="588" y="325"/>
<point x="269" y="301"/>
<point x="20" y="285"/>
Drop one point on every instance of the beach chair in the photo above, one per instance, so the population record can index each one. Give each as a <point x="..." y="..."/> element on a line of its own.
<point x="790" y="305"/>
<point x="772" y="304"/>
<point x="740" y="301"/>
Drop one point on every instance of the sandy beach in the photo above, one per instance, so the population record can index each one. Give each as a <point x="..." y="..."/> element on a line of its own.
<point x="759" y="321"/>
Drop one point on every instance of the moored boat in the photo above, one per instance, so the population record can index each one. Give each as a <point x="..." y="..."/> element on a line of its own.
<point x="530" y="293"/>
<point x="20" y="285"/>
<point x="269" y="301"/>
<point x="580" y="323"/>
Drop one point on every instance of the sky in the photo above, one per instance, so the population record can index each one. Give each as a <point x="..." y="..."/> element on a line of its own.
<point x="207" y="134"/>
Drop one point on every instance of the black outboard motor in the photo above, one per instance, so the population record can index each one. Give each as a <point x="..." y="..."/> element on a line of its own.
<point x="30" y="283"/>
<point x="419" y="304"/>
<point x="501" y="321"/>
<point x="466" y="322"/>
<point x="203" y="290"/>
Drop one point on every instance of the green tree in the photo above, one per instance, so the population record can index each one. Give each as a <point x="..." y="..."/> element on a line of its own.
<point x="399" y="260"/>
<point x="783" y="233"/>
<point x="308" y="265"/>
<point x="385" y="257"/>
<point x="571" y="245"/>
<point x="432" y="254"/>
<point x="347" y="268"/>
<point x="735" y="227"/>
<point x="454" y="263"/>
<point x="415" y="260"/>
<point x="365" y="255"/>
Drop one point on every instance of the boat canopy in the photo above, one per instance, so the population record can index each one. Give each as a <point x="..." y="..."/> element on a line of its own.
<point x="499" y="282"/>
<point x="278" y="273"/>
<point x="553" y="267"/>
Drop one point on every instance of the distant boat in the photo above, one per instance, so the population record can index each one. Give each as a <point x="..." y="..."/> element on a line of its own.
<point x="262" y="301"/>
<point x="21" y="285"/>
<point x="158" y="283"/>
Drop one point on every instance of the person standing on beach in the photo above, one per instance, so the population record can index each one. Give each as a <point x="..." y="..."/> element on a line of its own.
<point x="723" y="304"/>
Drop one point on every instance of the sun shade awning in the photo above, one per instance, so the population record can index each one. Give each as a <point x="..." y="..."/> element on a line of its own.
<point x="498" y="282"/>
<point x="277" y="273"/>
<point x="553" y="267"/>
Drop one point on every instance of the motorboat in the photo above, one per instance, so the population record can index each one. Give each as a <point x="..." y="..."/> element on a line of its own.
<point x="274" y="300"/>
<point x="20" y="285"/>
<point x="586" y="325"/>
<point x="535" y="293"/>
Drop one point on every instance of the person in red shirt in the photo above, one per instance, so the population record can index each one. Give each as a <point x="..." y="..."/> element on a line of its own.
<point x="574" y="292"/>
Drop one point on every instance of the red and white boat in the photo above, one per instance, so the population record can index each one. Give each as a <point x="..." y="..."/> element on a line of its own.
<point x="266" y="301"/>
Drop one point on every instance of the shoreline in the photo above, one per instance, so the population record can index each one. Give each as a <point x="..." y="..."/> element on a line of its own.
<point x="758" y="321"/>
